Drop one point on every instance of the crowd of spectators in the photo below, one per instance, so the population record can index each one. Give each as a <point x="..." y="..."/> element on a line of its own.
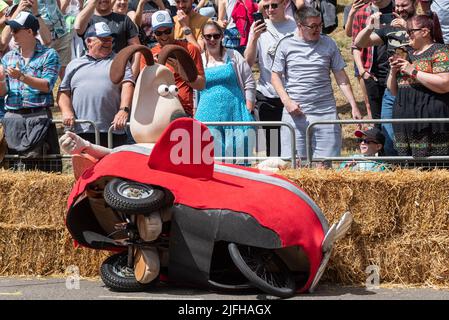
<point x="400" y="51"/>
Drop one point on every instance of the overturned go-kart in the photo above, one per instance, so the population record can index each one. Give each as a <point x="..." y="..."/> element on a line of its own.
<point x="170" y="213"/>
<point x="221" y="226"/>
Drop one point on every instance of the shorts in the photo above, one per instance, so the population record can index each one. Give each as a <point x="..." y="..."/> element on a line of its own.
<point x="63" y="48"/>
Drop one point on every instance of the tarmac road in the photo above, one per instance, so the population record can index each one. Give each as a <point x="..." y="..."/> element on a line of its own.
<point x="55" y="288"/>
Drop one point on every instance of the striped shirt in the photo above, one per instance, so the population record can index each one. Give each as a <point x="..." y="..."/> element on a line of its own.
<point x="43" y="65"/>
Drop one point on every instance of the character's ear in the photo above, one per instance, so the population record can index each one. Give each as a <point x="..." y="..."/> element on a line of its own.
<point x="187" y="67"/>
<point x="118" y="66"/>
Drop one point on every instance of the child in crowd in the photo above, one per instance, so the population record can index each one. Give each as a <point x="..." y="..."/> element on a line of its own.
<point x="371" y="143"/>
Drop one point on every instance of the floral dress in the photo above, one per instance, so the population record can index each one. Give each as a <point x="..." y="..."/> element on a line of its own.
<point x="414" y="100"/>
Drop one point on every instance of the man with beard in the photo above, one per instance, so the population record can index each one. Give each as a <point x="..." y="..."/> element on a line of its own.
<point x="124" y="31"/>
<point x="188" y="23"/>
<point x="393" y="36"/>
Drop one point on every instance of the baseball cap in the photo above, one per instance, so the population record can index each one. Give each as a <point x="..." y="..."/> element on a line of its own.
<point x="24" y="20"/>
<point x="372" y="133"/>
<point x="99" y="29"/>
<point x="161" y="19"/>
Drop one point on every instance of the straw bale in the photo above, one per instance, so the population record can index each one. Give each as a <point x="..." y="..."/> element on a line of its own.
<point x="33" y="198"/>
<point x="400" y="224"/>
<point x="404" y="260"/>
<point x="44" y="251"/>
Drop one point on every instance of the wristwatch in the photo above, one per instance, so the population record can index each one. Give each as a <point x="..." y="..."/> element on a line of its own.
<point x="414" y="73"/>
<point x="21" y="77"/>
<point x="187" y="31"/>
<point x="126" y="109"/>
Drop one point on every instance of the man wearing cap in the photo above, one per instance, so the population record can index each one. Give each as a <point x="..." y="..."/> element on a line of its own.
<point x="87" y="93"/>
<point x="163" y="31"/>
<point x="124" y="31"/>
<point x="28" y="75"/>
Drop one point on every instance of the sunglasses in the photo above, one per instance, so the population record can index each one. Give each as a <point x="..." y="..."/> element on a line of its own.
<point x="366" y="141"/>
<point x="273" y="6"/>
<point x="215" y="36"/>
<point x="160" y="33"/>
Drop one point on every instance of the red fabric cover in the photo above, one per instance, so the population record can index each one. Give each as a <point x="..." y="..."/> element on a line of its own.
<point x="274" y="207"/>
<point x="187" y="150"/>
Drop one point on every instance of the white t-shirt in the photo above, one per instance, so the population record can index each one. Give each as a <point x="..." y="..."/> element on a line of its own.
<point x="266" y="48"/>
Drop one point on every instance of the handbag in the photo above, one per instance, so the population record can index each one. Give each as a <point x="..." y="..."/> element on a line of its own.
<point x="231" y="38"/>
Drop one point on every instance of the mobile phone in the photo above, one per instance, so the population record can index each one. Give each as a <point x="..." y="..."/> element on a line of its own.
<point x="258" y="16"/>
<point x="386" y="18"/>
<point x="401" y="52"/>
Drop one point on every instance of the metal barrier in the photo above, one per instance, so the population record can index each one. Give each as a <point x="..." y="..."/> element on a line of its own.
<point x="241" y="124"/>
<point x="309" y="150"/>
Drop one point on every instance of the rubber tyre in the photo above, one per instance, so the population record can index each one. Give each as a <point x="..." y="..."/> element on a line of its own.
<point x="145" y="199"/>
<point x="114" y="276"/>
<point x="249" y="259"/>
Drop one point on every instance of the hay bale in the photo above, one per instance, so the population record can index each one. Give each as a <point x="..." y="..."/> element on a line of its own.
<point x="34" y="198"/>
<point x="403" y="260"/>
<point x="44" y="250"/>
<point x="400" y="224"/>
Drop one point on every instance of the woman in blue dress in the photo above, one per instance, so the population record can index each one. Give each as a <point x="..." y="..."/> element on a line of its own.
<point x="229" y="95"/>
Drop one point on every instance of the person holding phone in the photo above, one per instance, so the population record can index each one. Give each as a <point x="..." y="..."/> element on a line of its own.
<point x="395" y="37"/>
<point x="421" y="87"/>
<point x="264" y="37"/>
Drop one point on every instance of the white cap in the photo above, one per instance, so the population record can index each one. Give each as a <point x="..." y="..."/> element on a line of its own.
<point x="99" y="29"/>
<point x="161" y="19"/>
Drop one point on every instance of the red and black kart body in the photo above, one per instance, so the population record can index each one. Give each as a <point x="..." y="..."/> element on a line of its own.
<point x="213" y="204"/>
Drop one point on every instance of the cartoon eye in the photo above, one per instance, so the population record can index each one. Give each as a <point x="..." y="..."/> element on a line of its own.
<point x="173" y="90"/>
<point x="163" y="90"/>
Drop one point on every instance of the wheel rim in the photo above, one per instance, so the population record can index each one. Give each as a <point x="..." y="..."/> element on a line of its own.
<point x="121" y="269"/>
<point x="263" y="265"/>
<point x="134" y="190"/>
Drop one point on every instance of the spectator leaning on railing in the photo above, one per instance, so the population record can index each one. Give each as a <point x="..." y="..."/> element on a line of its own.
<point x="87" y="92"/>
<point x="421" y="86"/>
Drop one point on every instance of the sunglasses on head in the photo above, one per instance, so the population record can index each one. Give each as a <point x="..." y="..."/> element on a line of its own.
<point x="160" y="33"/>
<point x="273" y="6"/>
<point x="360" y="140"/>
<point x="216" y="36"/>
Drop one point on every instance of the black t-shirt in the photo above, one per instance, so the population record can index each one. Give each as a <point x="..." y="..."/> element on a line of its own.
<point x="121" y="26"/>
<point x="381" y="65"/>
<point x="393" y="37"/>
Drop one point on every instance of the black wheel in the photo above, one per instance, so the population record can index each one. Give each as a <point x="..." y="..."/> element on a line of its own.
<point x="133" y="197"/>
<point x="119" y="277"/>
<point x="264" y="269"/>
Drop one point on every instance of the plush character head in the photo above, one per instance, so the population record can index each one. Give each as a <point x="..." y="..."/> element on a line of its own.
<point x="155" y="95"/>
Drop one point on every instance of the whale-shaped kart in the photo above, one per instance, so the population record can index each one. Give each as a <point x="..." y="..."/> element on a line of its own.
<point x="224" y="226"/>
